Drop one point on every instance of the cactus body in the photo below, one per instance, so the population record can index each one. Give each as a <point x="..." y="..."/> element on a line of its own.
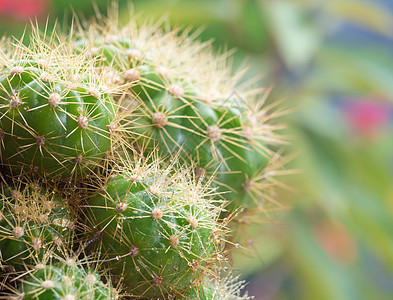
<point x="155" y="132"/>
<point x="31" y="222"/>
<point x="182" y="108"/>
<point x="61" y="281"/>
<point x="227" y="288"/>
<point x="211" y="138"/>
<point x="157" y="235"/>
<point x="54" y="118"/>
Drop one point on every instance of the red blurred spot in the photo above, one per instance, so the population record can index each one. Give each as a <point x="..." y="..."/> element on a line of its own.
<point x="3" y="5"/>
<point x="333" y="237"/>
<point x="367" y="117"/>
<point x="23" y="9"/>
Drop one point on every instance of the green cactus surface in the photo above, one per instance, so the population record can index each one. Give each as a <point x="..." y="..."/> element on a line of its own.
<point x="159" y="233"/>
<point x="186" y="102"/>
<point x="54" y="116"/>
<point x="32" y="220"/>
<point x="64" y="281"/>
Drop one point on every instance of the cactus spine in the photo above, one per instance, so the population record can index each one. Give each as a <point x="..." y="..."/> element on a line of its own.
<point x="157" y="228"/>
<point x="227" y="288"/>
<point x="56" y="117"/>
<point x="67" y="279"/>
<point x="188" y="103"/>
<point x="162" y="152"/>
<point x="32" y="220"/>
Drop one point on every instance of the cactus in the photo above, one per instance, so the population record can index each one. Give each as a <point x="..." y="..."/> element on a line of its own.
<point x="157" y="228"/>
<point x="227" y="288"/>
<point x="32" y="220"/>
<point x="56" y="116"/>
<point x="161" y="151"/>
<point x="189" y="103"/>
<point x="67" y="279"/>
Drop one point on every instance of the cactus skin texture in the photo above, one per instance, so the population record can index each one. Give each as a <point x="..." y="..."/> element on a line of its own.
<point x="62" y="281"/>
<point x="54" y="117"/>
<point x="209" y="136"/>
<point x="159" y="234"/>
<point x="31" y="222"/>
<point x="187" y="102"/>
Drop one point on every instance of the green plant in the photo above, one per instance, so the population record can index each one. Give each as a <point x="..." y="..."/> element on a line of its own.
<point x="158" y="228"/>
<point x="32" y="220"/>
<point x="56" y="117"/>
<point x="227" y="287"/>
<point x="68" y="279"/>
<point x="188" y="103"/>
<point x="162" y="149"/>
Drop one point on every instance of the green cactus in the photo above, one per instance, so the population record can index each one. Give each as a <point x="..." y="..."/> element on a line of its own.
<point x="32" y="220"/>
<point x="160" y="153"/>
<point x="187" y="102"/>
<point x="65" y="280"/>
<point x="226" y="288"/>
<point x="56" y="116"/>
<point x="159" y="232"/>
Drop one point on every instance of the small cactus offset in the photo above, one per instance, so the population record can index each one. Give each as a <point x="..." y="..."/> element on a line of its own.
<point x="66" y="279"/>
<point x="127" y="154"/>
<point x="32" y="220"/>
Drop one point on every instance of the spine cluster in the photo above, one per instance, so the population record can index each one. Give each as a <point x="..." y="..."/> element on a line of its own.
<point x="55" y="116"/>
<point x="128" y="153"/>
<point x="32" y="220"/>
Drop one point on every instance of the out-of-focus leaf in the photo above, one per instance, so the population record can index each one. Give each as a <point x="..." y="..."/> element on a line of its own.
<point x="352" y="70"/>
<point x="188" y="12"/>
<point x="378" y="278"/>
<point x="372" y="223"/>
<point x="86" y="6"/>
<point x="363" y="13"/>
<point x="253" y="27"/>
<point x="372" y="166"/>
<point x="322" y="278"/>
<point x="239" y="25"/>
<point x="345" y="195"/>
<point x="266" y="248"/>
<point x="293" y="31"/>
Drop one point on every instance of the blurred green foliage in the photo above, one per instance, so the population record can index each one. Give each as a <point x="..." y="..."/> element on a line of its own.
<point x="337" y="241"/>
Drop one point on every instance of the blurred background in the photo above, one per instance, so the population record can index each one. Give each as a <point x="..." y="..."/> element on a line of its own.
<point x="333" y="63"/>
